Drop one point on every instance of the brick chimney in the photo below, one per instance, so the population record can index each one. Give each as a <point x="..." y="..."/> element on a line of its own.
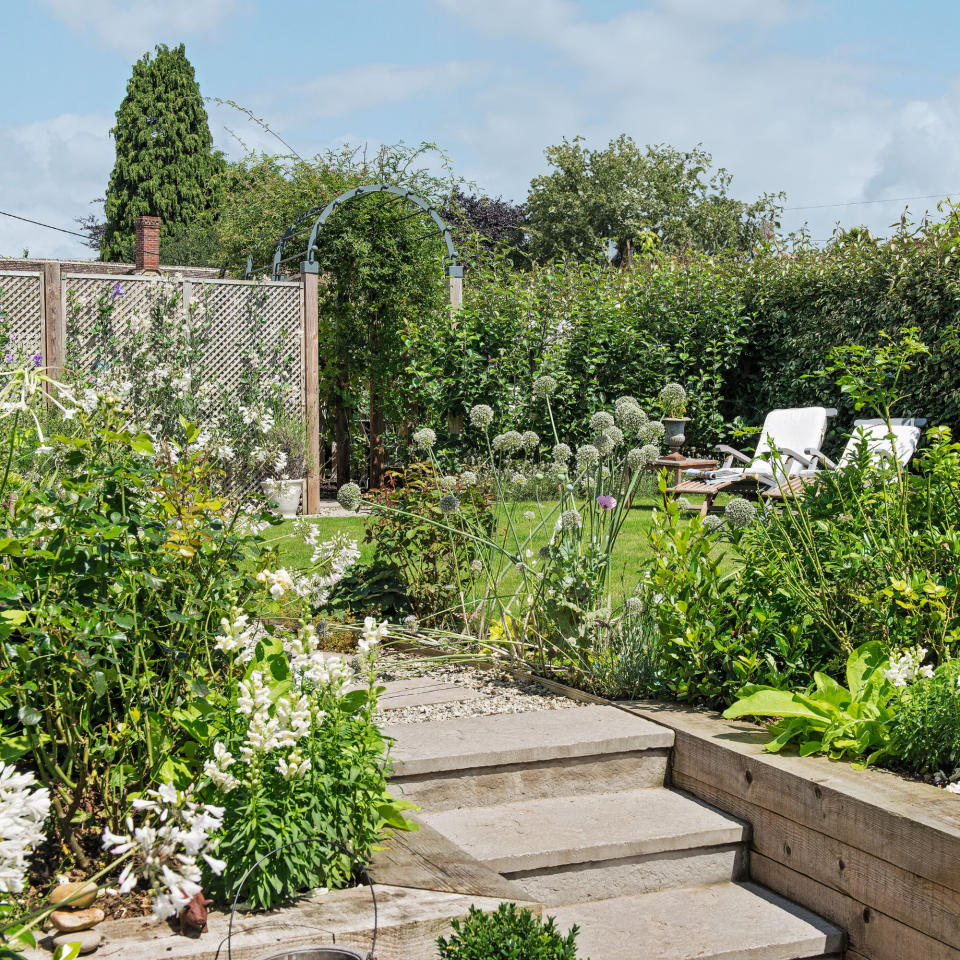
<point x="148" y="244"/>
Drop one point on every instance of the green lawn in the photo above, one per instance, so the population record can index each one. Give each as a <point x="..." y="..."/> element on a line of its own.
<point x="631" y="548"/>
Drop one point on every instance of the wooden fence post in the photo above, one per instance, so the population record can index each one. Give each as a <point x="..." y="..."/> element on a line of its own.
<point x="454" y="287"/>
<point x="54" y="321"/>
<point x="310" y="281"/>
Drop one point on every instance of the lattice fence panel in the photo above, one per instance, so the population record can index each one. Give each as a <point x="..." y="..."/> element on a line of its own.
<point x="255" y="331"/>
<point x="131" y="297"/>
<point x="253" y="327"/>
<point x="21" y="310"/>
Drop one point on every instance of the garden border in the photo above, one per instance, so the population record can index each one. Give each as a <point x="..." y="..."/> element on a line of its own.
<point x="871" y="852"/>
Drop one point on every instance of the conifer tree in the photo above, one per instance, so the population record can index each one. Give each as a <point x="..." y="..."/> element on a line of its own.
<point x="165" y="165"/>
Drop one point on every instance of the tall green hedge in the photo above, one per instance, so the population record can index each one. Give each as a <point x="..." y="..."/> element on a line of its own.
<point x="742" y="336"/>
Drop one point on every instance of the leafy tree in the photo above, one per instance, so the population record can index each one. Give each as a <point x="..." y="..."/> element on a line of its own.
<point x="165" y="166"/>
<point x="638" y="200"/>
<point x="495" y="222"/>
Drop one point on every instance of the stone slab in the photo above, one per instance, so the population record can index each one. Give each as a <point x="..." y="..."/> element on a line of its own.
<point x="472" y="742"/>
<point x="409" y="923"/>
<point x="423" y="691"/>
<point x="556" y="831"/>
<point x="581" y="882"/>
<point x="724" y="921"/>
<point x="528" y="781"/>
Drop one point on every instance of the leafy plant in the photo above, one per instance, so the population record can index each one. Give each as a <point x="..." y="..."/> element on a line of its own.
<point x="506" y="934"/>
<point x="853" y="722"/>
<point x="926" y="729"/>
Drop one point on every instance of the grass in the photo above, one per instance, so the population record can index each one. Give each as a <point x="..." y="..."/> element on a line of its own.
<point x="631" y="548"/>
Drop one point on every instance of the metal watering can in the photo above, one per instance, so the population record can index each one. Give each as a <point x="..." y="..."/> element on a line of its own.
<point x="323" y="952"/>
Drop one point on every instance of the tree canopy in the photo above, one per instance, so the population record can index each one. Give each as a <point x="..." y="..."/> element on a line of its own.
<point x="165" y="162"/>
<point x="634" y="200"/>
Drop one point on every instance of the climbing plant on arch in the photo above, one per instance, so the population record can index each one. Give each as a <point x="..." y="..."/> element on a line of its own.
<point x="380" y="263"/>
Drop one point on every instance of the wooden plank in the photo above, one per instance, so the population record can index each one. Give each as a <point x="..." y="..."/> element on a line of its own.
<point x="914" y="901"/>
<point x="311" y="384"/>
<point x="871" y="933"/>
<point x="427" y="860"/>
<point x="912" y="825"/>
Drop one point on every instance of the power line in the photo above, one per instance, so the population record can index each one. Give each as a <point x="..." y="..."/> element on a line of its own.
<point x="73" y="233"/>
<point x="854" y="203"/>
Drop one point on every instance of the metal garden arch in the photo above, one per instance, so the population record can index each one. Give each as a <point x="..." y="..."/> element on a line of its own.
<point x="309" y="278"/>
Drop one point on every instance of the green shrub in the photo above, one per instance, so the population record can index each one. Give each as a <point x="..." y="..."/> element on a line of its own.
<point x="506" y="934"/>
<point x="926" y="729"/>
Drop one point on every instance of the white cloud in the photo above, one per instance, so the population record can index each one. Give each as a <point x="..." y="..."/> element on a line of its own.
<point x="822" y="127"/>
<point x="134" y="28"/>
<point x="52" y="170"/>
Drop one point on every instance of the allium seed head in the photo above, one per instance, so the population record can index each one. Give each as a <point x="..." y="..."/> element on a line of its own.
<point x="481" y="416"/>
<point x="562" y="453"/>
<point x="348" y="496"/>
<point x="600" y="421"/>
<point x="544" y="386"/>
<point x="739" y="513"/>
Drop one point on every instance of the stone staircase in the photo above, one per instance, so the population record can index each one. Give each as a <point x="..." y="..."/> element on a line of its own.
<point x="573" y="809"/>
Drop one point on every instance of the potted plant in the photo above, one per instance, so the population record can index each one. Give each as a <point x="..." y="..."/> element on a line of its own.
<point x="287" y="443"/>
<point x="673" y="402"/>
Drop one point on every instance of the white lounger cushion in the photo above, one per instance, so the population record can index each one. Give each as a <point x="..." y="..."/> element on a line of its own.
<point x="796" y="429"/>
<point x="903" y="443"/>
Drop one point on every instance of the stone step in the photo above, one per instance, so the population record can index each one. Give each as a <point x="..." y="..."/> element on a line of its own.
<point x="488" y="786"/>
<point x="724" y="921"/>
<point x="599" y="880"/>
<point x="551" y="832"/>
<point x="470" y="743"/>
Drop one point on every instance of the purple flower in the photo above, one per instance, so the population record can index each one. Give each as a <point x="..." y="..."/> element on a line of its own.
<point x="9" y="358"/>
<point x="116" y="291"/>
<point x="605" y="502"/>
<point x="38" y="359"/>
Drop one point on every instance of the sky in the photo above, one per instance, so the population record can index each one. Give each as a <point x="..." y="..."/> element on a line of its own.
<point x="832" y="101"/>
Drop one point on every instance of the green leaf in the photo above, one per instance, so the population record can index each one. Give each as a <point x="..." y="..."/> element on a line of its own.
<point x="863" y="663"/>
<point x="770" y="702"/>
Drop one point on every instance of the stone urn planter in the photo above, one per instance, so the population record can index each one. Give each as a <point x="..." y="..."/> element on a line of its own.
<point x="287" y="494"/>
<point x="675" y="432"/>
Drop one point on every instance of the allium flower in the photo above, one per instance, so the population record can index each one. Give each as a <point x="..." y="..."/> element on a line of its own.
<point x="614" y="434"/>
<point x="739" y="513"/>
<point x="622" y="403"/>
<point x="633" y="606"/>
<point x="604" y="445"/>
<point x="518" y="479"/>
<point x="652" y="432"/>
<point x="587" y="456"/>
<point x="481" y="416"/>
<point x="544" y="386"/>
<point x="411" y="623"/>
<point x="530" y="440"/>
<point x="711" y="523"/>
<point x="509" y="442"/>
<point x="348" y="496"/>
<point x="605" y="502"/>
<point x="632" y="419"/>
<point x="600" y="421"/>
<point x="529" y="515"/>
<point x="448" y="482"/>
<point x="673" y="399"/>
<point x="23" y="811"/>
<point x="561" y="453"/>
<point x="557" y="472"/>
<point x="570" y="520"/>
<point x="424" y="438"/>
<point x="476" y="566"/>
<point x="640" y="457"/>
<point x="449" y="504"/>
<point x="468" y="478"/>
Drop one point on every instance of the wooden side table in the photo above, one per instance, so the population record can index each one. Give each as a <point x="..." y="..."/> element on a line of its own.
<point x="678" y="463"/>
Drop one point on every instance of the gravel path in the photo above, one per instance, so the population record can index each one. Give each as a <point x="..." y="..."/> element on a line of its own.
<point x="502" y="693"/>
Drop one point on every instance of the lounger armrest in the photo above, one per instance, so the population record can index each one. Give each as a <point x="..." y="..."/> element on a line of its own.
<point x="815" y="454"/>
<point x="793" y="455"/>
<point x="731" y="454"/>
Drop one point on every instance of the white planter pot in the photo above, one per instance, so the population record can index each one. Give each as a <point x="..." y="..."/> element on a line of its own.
<point x="287" y="494"/>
